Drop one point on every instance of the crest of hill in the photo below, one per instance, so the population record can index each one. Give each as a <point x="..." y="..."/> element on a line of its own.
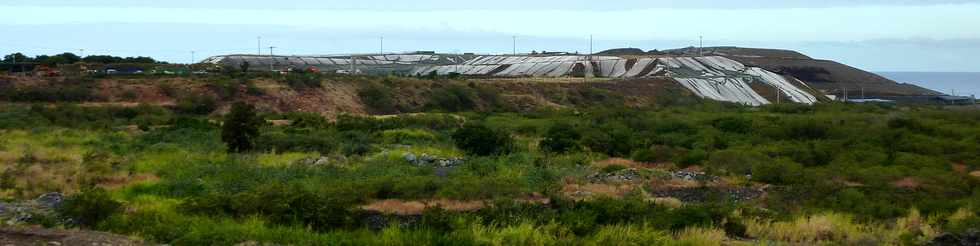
<point x="622" y="52"/>
<point x="829" y="76"/>
<point x="731" y="51"/>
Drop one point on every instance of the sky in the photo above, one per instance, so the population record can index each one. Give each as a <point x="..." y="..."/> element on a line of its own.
<point x="876" y="35"/>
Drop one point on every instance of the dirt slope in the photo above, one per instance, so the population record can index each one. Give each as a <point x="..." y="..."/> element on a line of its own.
<point x="340" y="95"/>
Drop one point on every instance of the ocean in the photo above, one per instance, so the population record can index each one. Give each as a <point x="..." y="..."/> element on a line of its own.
<point x="962" y="84"/>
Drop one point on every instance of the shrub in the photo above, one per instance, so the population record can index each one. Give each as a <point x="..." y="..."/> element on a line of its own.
<point x="89" y="207"/>
<point x="614" y="139"/>
<point x="654" y="154"/>
<point x="733" y="124"/>
<point x="453" y="98"/>
<point x="480" y="140"/>
<point x="613" y="168"/>
<point x="299" y="80"/>
<point x="355" y="143"/>
<point x="560" y="138"/>
<point x="378" y="97"/>
<point x="408" y="136"/>
<point x="781" y="171"/>
<point x="302" y="141"/>
<point x="241" y="128"/>
<point x="197" y="104"/>
<point x="738" y="162"/>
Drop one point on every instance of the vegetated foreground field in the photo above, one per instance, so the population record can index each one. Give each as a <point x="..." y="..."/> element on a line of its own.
<point x="701" y="174"/>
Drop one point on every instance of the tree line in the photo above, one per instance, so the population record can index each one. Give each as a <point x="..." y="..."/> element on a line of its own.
<point x="71" y="58"/>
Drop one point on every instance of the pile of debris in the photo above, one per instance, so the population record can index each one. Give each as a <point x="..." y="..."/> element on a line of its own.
<point x="425" y="159"/>
<point x="624" y="175"/>
<point x="30" y="211"/>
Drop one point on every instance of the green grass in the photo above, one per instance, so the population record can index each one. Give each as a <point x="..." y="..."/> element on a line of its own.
<point x="833" y="169"/>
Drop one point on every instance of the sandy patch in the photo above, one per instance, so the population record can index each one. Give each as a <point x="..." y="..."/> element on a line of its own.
<point x="401" y="207"/>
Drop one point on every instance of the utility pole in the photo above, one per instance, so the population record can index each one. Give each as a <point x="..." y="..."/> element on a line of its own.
<point x="845" y="93"/>
<point x="272" y="64"/>
<point x="590" y="48"/>
<point x="701" y="46"/>
<point x="514" y="45"/>
<point x="383" y="48"/>
<point x="192" y="57"/>
<point x="258" y="46"/>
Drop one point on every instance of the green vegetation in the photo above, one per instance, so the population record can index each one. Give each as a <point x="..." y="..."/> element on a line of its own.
<point x="830" y="173"/>
<point x="240" y="128"/>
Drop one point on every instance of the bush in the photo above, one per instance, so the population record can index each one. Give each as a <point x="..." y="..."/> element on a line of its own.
<point x="89" y="207"/>
<point x="736" y="162"/>
<point x="378" y="97"/>
<point x="197" y="104"/>
<point x="355" y="143"/>
<point x="453" y="98"/>
<point x="614" y="139"/>
<point x="241" y="128"/>
<point x="302" y="141"/>
<point x="480" y="140"/>
<point x="408" y="136"/>
<point x="654" y="154"/>
<point x="733" y="124"/>
<point x="299" y="80"/>
<point x="781" y="171"/>
<point x="560" y="138"/>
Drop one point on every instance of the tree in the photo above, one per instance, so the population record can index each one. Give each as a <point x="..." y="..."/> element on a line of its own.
<point x="16" y="57"/>
<point x="244" y="67"/>
<point x="483" y="141"/>
<point x="241" y="128"/>
<point x="560" y="138"/>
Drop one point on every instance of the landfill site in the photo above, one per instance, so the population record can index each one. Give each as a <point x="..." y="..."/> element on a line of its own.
<point x="731" y="74"/>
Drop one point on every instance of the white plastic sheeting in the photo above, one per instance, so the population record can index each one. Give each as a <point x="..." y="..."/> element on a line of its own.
<point x="713" y="77"/>
<point x="784" y="86"/>
<point x="723" y="89"/>
<point x="723" y="79"/>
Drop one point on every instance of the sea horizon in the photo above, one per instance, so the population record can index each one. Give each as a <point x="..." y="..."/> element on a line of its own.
<point x="951" y="83"/>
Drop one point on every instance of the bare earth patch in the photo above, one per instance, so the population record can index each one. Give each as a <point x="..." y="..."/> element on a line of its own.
<point x="975" y="174"/>
<point x="591" y="190"/>
<point x="401" y="207"/>
<point x="40" y="236"/>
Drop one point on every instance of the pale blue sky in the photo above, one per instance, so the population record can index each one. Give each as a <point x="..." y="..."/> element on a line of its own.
<point x="879" y="35"/>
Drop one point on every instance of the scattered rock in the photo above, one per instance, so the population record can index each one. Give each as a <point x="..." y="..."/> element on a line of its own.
<point x="703" y="194"/>
<point x="426" y="159"/>
<point x="318" y="161"/>
<point x="409" y="157"/>
<point x="693" y="175"/>
<point x="625" y="175"/>
<point x="50" y="200"/>
<point x="970" y="238"/>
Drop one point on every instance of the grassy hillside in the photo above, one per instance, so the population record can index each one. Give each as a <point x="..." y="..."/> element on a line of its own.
<point x="483" y="163"/>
